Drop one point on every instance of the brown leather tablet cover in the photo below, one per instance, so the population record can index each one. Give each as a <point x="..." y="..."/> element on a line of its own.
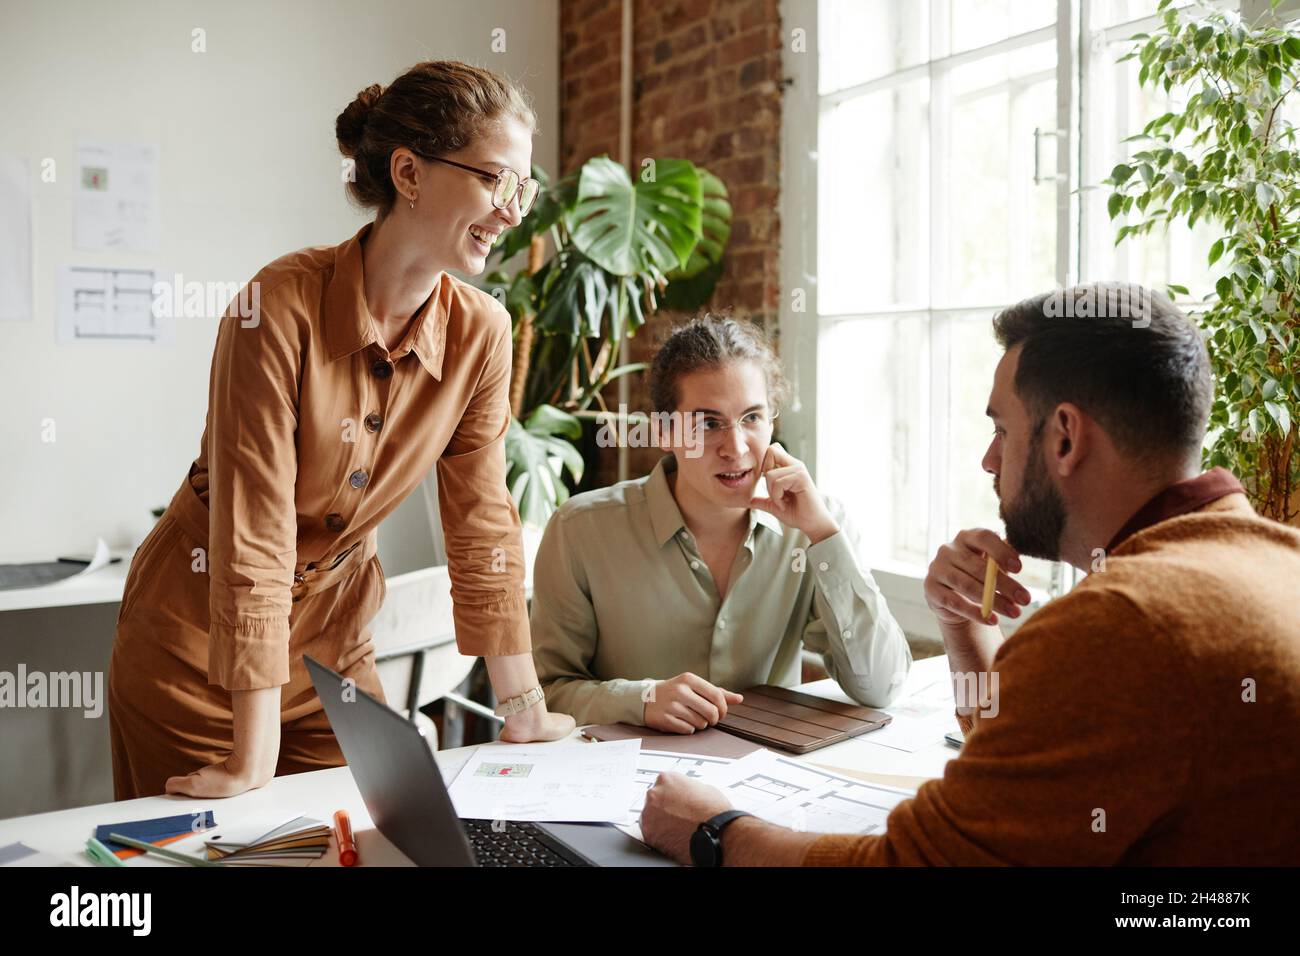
<point x="796" y="722"/>
<point x="771" y="716"/>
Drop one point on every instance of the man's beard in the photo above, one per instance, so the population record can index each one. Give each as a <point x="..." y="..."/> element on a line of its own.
<point x="1036" y="519"/>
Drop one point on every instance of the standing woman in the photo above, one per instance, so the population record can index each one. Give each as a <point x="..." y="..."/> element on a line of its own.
<point x="363" y="366"/>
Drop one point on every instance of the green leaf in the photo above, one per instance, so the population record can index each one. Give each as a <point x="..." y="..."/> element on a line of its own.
<point x="1263" y="196"/>
<point x="536" y="459"/>
<point x="1216" y="251"/>
<point x="646" y="227"/>
<point x="1280" y="415"/>
<point x="1114" y="203"/>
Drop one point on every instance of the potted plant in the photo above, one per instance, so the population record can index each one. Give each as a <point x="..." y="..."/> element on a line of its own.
<point x="621" y="250"/>
<point x="1229" y="157"/>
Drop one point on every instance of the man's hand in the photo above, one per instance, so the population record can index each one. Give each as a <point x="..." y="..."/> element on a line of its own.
<point x="792" y="496"/>
<point x="954" y="585"/>
<point x="674" y="807"/>
<point x="686" y="703"/>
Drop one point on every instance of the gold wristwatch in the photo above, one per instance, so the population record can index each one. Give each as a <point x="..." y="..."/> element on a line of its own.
<point x="515" y="705"/>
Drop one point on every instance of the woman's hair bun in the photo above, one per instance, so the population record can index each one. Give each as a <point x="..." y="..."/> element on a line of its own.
<point x="351" y="123"/>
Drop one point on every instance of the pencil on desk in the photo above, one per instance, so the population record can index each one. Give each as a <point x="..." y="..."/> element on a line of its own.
<point x="159" y="851"/>
<point x="990" y="586"/>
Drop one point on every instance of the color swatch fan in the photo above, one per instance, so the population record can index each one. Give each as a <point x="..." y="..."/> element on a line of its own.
<point x="294" y="842"/>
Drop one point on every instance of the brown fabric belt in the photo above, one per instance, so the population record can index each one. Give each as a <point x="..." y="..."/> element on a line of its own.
<point x="192" y="515"/>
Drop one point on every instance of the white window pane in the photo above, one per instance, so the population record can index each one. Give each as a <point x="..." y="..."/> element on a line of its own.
<point x="873" y="198"/>
<point x="972" y="502"/>
<point x="861" y="40"/>
<point x="976" y="23"/>
<point x="873" y="431"/>
<point x="1001" y="242"/>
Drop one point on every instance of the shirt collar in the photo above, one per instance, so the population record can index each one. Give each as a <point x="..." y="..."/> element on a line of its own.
<point x="666" y="518"/>
<point x="348" y="323"/>
<point x="1180" y="498"/>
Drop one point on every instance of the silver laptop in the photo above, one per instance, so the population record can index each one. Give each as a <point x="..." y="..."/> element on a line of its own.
<point x="408" y="801"/>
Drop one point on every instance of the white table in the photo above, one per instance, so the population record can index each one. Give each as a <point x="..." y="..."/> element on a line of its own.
<point x="319" y="793"/>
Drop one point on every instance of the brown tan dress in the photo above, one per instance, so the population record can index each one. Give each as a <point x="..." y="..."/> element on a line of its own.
<point x="315" y="432"/>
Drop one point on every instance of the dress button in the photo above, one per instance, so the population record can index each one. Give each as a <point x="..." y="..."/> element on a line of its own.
<point x="374" y="421"/>
<point x="722" y="623"/>
<point x="846" y="633"/>
<point x="381" y="368"/>
<point x="695" y="565"/>
<point x="359" y="478"/>
<point x="823" y="566"/>
<point x="334" y="521"/>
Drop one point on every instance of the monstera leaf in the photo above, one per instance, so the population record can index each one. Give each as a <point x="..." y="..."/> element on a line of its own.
<point x="537" y="453"/>
<point x="649" y="226"/>
<point x="691" y="286"/>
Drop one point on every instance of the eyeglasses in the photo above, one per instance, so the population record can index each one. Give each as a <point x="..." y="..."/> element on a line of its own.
<point x="506" y="185"/>
<point x="712" y="430"/>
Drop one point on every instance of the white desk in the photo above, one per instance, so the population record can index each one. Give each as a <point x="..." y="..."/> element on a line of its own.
<point x="103" y="586"/>
<point x="320" y="793"/>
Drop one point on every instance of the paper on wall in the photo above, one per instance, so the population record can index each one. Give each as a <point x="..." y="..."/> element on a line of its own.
<point x="117" y="195"/>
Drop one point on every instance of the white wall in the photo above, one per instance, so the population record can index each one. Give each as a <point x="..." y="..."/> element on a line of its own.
<point x="249" y="170"/>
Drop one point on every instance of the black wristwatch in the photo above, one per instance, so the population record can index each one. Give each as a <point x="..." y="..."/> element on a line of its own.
<point x="706" y="841"/>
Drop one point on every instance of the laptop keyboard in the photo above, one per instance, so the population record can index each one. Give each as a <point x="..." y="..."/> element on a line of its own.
<point x="518" y="844"/>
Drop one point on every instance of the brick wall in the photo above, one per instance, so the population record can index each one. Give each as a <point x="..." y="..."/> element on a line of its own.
<point x="705" y="88"/>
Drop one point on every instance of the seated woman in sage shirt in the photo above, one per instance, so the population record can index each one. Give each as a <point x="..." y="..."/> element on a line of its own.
<point x="654" y="600"/>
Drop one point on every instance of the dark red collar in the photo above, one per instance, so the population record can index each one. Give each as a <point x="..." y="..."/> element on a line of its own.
<point x="1180" y="498"/>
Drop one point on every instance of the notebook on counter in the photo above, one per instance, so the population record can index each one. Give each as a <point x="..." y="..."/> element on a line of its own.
<point x="774" y="717"/>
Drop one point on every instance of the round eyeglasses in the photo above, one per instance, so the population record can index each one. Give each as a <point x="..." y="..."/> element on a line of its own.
<point x="713" y="430"/>
<point x="506" y="185"/>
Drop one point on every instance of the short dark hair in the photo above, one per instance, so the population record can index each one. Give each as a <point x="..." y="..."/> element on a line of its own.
<point x="1124" y="354"/>
<point x="711" y="341"/>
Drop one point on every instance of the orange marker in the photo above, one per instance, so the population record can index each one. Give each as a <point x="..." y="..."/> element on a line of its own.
<point x="347" y="844"/>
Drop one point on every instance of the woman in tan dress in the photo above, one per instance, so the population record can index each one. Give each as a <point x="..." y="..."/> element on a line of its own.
<point x="357" y="368"/>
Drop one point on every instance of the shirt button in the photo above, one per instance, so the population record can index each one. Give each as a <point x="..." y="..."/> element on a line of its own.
<point x="374" y="421"/>
<point x="721" y="623"/>
<point x="823" y="566"/>
<point x="381" y="368"/>
<point x="695" y="565"/>
<point x="846" y="633"/>
<point x="334" y="521"/>
<point x="359" y="478"/>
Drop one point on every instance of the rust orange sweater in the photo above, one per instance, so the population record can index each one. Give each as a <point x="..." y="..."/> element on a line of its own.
<point x="1150" y="716"/>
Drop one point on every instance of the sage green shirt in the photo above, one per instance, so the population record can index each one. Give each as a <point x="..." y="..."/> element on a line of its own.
<point x="622" y="598"/>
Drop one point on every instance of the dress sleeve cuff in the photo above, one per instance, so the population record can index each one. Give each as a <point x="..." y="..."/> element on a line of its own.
<point x="252" y="655"/>
<point x="495" y="628"/>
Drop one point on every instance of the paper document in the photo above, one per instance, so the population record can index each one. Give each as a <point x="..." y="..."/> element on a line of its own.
<point x="583" y="783"/>
<point x="651" y="763"/>
<point x="801" y="796"/>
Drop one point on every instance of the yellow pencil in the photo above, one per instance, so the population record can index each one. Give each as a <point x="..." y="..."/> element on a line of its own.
<point x="990" y="586"/>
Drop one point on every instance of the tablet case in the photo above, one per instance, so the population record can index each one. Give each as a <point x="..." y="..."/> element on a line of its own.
<point x="771" y="716"/>
<point x="796" y="722"/>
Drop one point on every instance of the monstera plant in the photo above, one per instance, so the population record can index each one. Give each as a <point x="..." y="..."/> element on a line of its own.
<point x="1229" y="156"/>
<point x="622" y="248"/>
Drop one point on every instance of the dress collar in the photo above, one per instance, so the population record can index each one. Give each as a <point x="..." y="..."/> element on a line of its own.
<point x="349" y="326"/>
